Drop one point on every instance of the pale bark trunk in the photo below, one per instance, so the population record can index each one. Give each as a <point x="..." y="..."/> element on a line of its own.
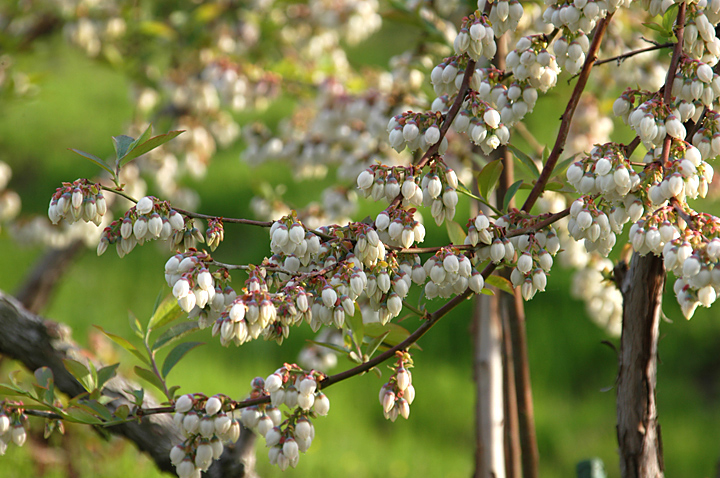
<point x="490" y="453"/>
<point x="637" y="425"/>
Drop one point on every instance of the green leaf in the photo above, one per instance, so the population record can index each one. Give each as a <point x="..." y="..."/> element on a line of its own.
<point x="80" y="372"/>
<point x="105" y="374"/>
<point x="122" y="412"/>
<point x="139" y="396"/>
<point x="122" y="146"/>
<point x="510" y="193"/>
<point x="396" y="333"/>
<point x="80" y="415"/>
<point x="331" y="346"/>
<point x="487" y="178"/>
<point x="172" y="390"/>
<point x="356" y="326"/>
<point x="176" y="354"/>
<point x="149" y="376"/>
<point x="375" y="343"/>
<point x="95" y="160"/>
<point x="148" y="145"/>
<point x="142" y="138"/>
<point x="123" y="342"/>
<point x="46" y="388"/>
<point x="9" y="390"/>
<point x="174" y="334"/>
<point x="669" y="17"/>
<point x="657" y="28"/>
<point x="100" y="410"/>
<point x="455" y="232"/>
<point x="167" y="311"/>
<point x="525" y="159"/>
<point x="135" y="325"/>
<point x="501" y="283"/>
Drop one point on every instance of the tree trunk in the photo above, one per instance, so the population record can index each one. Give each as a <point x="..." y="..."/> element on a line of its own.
<point x="490" y="452"/>
<point x="638" y="430"/>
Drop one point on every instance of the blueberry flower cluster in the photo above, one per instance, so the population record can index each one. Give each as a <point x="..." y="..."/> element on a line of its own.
<point x="148" y="220"/>
<point x="451" y="272"/>
<point x="79" y="200"/>
<point x="504" y="15"/>
<point x="298" y="391"/>
<point x="416" y="131"/>
<point x="570" y="50"/>
<point x="513" y="101"/>
<point x="12" y="425"/>
<point x="206" y="425"/>
<point x="399" y="227"/>
<point x="477" y="36"/>
<point x="707" y="137"/>
<point x="531" y="61"/>
<point x="398" y="393"/>
<point x="379" y="181"/>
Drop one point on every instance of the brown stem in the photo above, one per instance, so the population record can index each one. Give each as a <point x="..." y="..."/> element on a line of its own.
<point x="624" y="56"/>
<point x="568" y="114"/>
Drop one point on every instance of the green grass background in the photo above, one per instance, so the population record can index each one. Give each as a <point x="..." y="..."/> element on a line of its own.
<point x="81" y="104"/>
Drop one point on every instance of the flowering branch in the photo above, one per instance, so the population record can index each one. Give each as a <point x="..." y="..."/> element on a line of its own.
<point x="624" y="56"/>
<point x="568" y="114"/>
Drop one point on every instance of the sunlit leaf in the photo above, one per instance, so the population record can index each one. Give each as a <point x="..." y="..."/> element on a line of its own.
<point x="176" y="354"/>
<point x="501" y="283"/>
<point x="150" y="377"/>
<point x="80" y="372"/>
<point x="94" y="159"/>
<point x="124" y="343"/>
<point x="489" y="176"/>
<point x="174" y="334"/>
<point x="167" y="311"/>
<point x="455" y="232"/>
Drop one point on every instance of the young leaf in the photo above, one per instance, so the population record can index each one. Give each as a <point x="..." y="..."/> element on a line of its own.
<point x="148" y="145"/>
<point x="12" y="391"/>
<point x="396" y="333"/>
<point x="356" y="326"/>
<point x="176" y="354"/>
<point x="167" y="311"/>
<point x="148" y="375"/>
<point x="141" y="139"/>
<point x="122" y="411"/>
<point x="487" y="178"/>
<point x="501" y="283"/>
<point x="123" y="342"/>
<point x="122" y="146"/>
<point x="375" y="343"/>
<point x="174" y="334"/>
<point x="44" y="377"/>
<point x="100" y="410"/>
<point x="95" y="160"/>
<point x="510" y="193"/>
<point x="105" y="374"/>
<point x="81" y="416"/>
<point x="80" y="372"/>
<point x="331" y="346"/>
<point x="455" y="232"/>
<point x="525" y="159"/>
<point x="135" y="325"/>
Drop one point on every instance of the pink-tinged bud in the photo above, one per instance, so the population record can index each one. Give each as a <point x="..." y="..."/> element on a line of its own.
<point x="204" y="456"/>
<point x="329" y="296"/>
<point x="18" y="435"/>
<point x="273" y="382"/>
<point x="144" y="205"/>
<point x="409" y="394"/>
<point x="191" y="422"/>
<point x="272" y="437"/>
<point x="322" y="404"/>
<point x="290" y="448"/>
<point x="525" y="263"/>
<point x="217" y="447"/>
<point x="176" y="220"/>
<point x="403" y="379"/>
<point x="250" y="417"/>
<point x="305" y="401"/>
<point x="403" y="408"/>
<point x="265" y="424"/>
<point x="213" y="405"/>
<point x="187" y="303"/>
<point x="177" y="454"/>
<point x="388" y="401"/>
<point x="184" y="404"/>
<point x="4" y="423"/>
<point x="476" y="282"/>
<point x="304" y="429"/>
<point x="185" y="469"/>
<point x="222" y="424"/>
<point x="207" y="427"/>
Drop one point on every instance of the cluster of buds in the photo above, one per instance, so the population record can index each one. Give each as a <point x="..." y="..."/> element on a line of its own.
<point x="447" y="77"/>
<point x="685" y="175"/>
<point x="652" y="122"/>
<point x="479" y="231"/>
<point x="477" y="37"/>
<point x="194" y="286"/>
<point x="298" y="390"/>
<point x="78" y="200"/>
<point x="12" y="425"/>
<point x="251" y="312"/>
<point x="288" y="236"/>
<point x="707" y="137"/>
<point x="699" y="40"/>
<point x="570" y="50"/>
<point x="694" y="261"/>
<point x="697" y="85"/>
<point x="440" y="192"/>
<point x="652" y="233"/>
<point x="603" y="300"/>
<point x="416" y="131"/>
<point x="531" y="61"/>
<point x="387" y="285"/>
<point x="482" y="123"/>
<point x="450" y="273"/>
<point x="215" y="233"/>
<point x="605" y="170"/>
<point x="148" y="220"/>
<point x="578" y="15"/>
<point x="379" y="181"/>
<point x="504" y="15"/>
<point x="206" y="426"/>
<point x="398" y="393"/>
<point x="589" y="222"/>
<point x="513" y="101"/>
<point x="369" y="248"/>
<point x="398" y="226"/>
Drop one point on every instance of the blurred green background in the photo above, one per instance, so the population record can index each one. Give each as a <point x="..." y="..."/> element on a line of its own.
<point x="81" y="104"/>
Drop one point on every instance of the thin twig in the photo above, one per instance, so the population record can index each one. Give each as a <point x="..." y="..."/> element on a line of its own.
<point x="624" y="56"/>
<point x="568" y="114"/>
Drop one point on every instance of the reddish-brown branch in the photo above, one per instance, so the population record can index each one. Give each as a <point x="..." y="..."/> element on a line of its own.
<point x="568" y="114"/>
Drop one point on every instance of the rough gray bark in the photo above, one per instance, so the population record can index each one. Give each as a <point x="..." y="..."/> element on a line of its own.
<point x="638" y="429"/>
<point x="37" y="342"/>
